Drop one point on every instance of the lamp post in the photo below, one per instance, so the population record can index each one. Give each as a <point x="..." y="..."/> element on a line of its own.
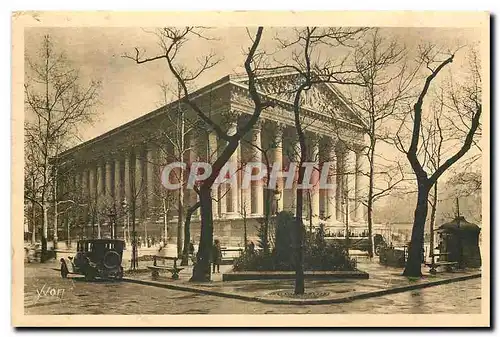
<point x="277" y="198"/>
<point x="112" y="220"/>
<point x="133" y="260"/>
<point x="126" y="225"/>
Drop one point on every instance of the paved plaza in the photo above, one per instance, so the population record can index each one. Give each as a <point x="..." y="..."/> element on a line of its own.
<point x="47" y="293"/>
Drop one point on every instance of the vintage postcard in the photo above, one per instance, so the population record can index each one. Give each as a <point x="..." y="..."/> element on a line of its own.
<point x="226" y="169"/>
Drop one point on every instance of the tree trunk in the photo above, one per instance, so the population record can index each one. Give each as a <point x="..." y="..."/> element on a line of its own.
<point x="201" y="270"/>
<point x="56" y="214"/>
<point x="165" y="221"/>
<point x="299" y="268"/>
<point x="432" y="222"/>
<point x="181" y="148"/>
<point x="299" y="241"/>
<point x="414" y="262"/>
<point x="269" y="197"/>
<point x="310" y="216"/>
<point x="371" y="248"/>
<point x="299" y="235"/>
<point x="133" y="261"/>
<point x="187" y="233"/>
<point x="369" y="204"/>
<point x="33" y="223"/>
<point x="180" y="219"/>
<point x="347" y="210"/>
<point x="245" y="234"/>
<point x="45" y="228"/>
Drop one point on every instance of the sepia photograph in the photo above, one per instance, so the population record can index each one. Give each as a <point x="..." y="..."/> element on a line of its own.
<point x="289" y="169"/>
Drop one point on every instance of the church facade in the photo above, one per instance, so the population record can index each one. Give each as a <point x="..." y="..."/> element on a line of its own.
<point x="124" y="167"/>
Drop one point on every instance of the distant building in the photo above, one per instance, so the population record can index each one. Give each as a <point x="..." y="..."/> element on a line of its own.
<point x="127" y="162"/>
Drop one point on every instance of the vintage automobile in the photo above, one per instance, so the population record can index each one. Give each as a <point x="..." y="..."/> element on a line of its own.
<point x="99" y="258"/>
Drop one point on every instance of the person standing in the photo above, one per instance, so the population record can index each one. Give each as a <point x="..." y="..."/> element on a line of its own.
<point x="191" y="254"/>
<point x="251" y="248"/>
<point x="216" y="256"/>
<point x="64" y="268"/>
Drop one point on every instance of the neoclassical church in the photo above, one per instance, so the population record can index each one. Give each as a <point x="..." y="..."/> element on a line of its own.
<point x="123" y="167"/>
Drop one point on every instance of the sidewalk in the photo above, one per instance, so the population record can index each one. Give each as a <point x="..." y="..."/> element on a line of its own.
<point x="383" y="280"/>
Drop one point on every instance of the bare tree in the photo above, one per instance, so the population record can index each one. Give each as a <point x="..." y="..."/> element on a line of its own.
<point x="57" y="105"/>
<point x="381" y="67"/>
<point x="178" y="128"/>
<point x="32" y="179"/>
<point x="311" y="71"/>
<point x="470" y="109"/>
<point x="171" y="41"/>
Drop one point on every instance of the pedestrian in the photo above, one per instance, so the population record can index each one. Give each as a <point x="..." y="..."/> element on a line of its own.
<point x="191" y="252"/>
<point x="216" y="256"/>
<point x="64" y="269"/>
<point x="251" y="248"/>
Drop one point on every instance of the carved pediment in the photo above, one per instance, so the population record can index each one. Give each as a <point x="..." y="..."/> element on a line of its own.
<point x="321" y="98"/>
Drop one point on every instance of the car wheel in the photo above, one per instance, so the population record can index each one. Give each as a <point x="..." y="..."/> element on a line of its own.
<point x="377" y="250"/>
<point x="111" y="260"/>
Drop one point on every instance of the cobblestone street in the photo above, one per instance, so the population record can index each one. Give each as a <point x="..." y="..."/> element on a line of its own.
<point x="47" y="294"/>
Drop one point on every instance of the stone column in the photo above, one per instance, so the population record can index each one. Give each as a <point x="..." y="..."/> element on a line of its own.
<point x="257" y="187"/>
<point x="149" y="188"/>
<point x="92" y="183"/>
<point x="232" y="196"/>
<point x="350" y="184"/>
<point x="139" y="183"/>
<point x="109" y="181"/>
<point x="85" y="196"/>
<point x="85" y="184"/>
<point x="77" y="185"/>
<point x="339" y="188"/>
<point x="277" y="157"/>
<point x="295" y="158"/>
<point x="246" y="196"/>
<point x="314" y="191"/>
<point x="100" y="185"/>
<point x="127" y="184"/>
<point x="118" y="184"/>
<point x="92" y="197"/>
<point x="211" y="157"/>
<point x="101" y="197"/>
<point x="193" y="157"/>
<point x="331" y="197"/>
<point x="358" y="196"/>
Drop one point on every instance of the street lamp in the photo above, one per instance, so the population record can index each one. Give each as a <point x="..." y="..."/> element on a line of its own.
<point x="112" y="221"/>
<point x="127" y="219"/>
<point x="133" y="260"/>
<point x="277" y="198"/>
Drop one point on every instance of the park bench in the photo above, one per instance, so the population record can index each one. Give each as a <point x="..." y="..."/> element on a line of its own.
<point x="229" y="259"/>
<point x="155" y="268"/>
<point x="448" y="265"/>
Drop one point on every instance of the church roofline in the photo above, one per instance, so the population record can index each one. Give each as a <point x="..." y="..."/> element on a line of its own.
<point x="231" y="79"/>
<point x="243" y="76"/>
<point x="139" y="120"/>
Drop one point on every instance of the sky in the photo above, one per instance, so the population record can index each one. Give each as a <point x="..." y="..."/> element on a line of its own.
<point x="130" y="90"/>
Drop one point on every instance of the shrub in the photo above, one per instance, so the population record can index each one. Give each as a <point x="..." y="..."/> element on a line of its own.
<point x="318" y="253"/>
<point x="258" y="261"/>
<point x="284" y="237"/>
